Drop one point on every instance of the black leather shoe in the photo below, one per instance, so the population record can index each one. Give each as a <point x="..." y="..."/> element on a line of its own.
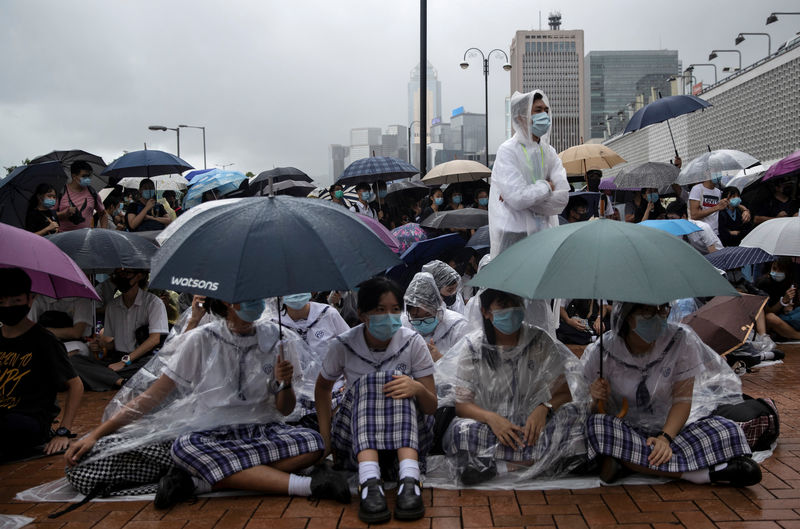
<point x="373" y="507"/>
<point x="174" y="487"/>
<point x="409" y="503"/>
<point x="473" y="476"/>
<point x="741" y="471"/>
<point x="779" y="355"/>
<point x="611" y="470"/>
<point x="327" y="485"/>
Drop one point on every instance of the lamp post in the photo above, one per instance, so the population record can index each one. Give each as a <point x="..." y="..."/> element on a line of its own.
<point x="713" y="55"/>
<point x="506" y="66"/>
<point x="177" y="133"/>
<point x="410" y="126"/>
<point x="691" y="67"/>
<point x="773" y="17"/>
<point x="204" y="140"/>
<point x="740" y="39"/>
<point x="224" y="165"/>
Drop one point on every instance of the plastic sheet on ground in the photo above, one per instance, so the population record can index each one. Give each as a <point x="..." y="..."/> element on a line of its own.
<point x="14" y="521"/>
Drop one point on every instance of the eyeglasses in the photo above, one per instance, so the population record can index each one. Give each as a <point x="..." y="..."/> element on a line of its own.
<point x="650" y="311"/>
<point x="426" y="321"/>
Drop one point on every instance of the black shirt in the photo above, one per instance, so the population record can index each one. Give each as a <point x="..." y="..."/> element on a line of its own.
<point x="773" y="206"/>
<point x="33" y="368"/>
<point x="136" y="207"/>
<point x="774" y="289"/>
<point x="38" y="219"/>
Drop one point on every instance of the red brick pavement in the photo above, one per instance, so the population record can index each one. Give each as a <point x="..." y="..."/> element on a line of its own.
<point x="774" y="503"/>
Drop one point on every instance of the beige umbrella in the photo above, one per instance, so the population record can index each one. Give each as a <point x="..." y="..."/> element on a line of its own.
<point x="581" y="158"/>
<point x="456" y="171"/>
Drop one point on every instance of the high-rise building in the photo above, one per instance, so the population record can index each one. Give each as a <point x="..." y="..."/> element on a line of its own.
<point x="618" y="82"/>
<point x="552" y="61"/>
<point x="433" y="109"/>
<point x="394" y="142"/>
<point x="338" y="160"/>
<point x="469" y="131"/>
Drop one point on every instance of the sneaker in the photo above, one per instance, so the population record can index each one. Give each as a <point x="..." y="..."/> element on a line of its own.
<point x="409" y="501"/>
<point x="327" y="485"/>
<point x="473" y="476"/>
<point x="174" y="487"/>
<point x="741" y="471"/>
<point x="373" y="507"/>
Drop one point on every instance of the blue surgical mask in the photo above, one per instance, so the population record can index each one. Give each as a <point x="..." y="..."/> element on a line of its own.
<point x="716" y="178"/>
<point x="147" y="194"/>
<point x="652" y="197"/>
<point x="540" y="124"/>
<point x="735" y="202"/>
<point x="425" y="325"/>
<point x="382" y="193"/>
<point x="297" y="301"/>
<point x="456" y="199"/>
<point x="508" y="321"/>
<point x="119" y="210"/>
<point x="777" y="276"/>
<point x="250" y="311"/>
<point x="86" y="181"/>
<point x="483" y="201"/>
<point x="49" y="203"/>
<point x="383" y="326"/>
<point x="365" y="195"/>
<point x="649" y="329"/>
<point x="438" y="201"/>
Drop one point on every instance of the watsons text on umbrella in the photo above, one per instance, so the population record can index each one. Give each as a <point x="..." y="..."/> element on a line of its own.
<point x="195" y="283"/>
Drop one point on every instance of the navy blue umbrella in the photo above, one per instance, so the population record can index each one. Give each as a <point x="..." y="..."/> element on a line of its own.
<point x="194" y="174"/>
<point x="422" y="252"/>
<point x="147" y="163"/>
<point x="376" y="169"/>
<point x="260" y="183"/>
<point x="17" y="188"/>
<point x="97" y="250"/>
<point x="738" y="256"/>
<point x="261" y="247"/>
<point x="663" y="109"/>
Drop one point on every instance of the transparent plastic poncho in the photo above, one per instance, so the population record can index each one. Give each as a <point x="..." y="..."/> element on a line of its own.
<point x="651" y="382"/>
<point x="423" y="291"/>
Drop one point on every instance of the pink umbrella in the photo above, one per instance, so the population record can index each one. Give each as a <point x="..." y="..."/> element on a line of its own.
<point x="408" y="234"/>
<point x="786" y="166"/>
<point x="52" y="272"/>
<point x="382" y="232"/>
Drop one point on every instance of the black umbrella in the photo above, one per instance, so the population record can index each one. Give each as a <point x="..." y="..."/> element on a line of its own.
<point x="97" y="250"/>
<point x="99" y="181"/>
<point x="145" y="164"/>
<point x="17" y="188"/>
<point x="293" y="188"/>
<point x="664" y="108"/>
<point x="457" y="219"/>
<point x="278" y="174"/>
<point x="376" y="169"/>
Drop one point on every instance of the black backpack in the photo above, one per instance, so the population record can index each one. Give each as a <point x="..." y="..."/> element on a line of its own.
<point x="758" y="419"/>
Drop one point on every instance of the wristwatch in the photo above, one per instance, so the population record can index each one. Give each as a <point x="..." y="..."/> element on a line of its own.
<point x="126" y="359"/>
<point x="64" y="432"/>
<point x="548" y="406"/>
<point x="277" y="387"/>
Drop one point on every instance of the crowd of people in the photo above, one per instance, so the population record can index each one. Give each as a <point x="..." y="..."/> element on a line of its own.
<point x="256" y="394"/>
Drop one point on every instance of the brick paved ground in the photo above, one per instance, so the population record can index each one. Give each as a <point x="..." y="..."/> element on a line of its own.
<point x="775" y="503"/>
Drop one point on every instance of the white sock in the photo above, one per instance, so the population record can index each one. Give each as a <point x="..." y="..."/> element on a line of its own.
<point x="769" y="355"/>
<point x="201" y="486"/>
<point x="409" y="468"/>
<point x="368" y="470"/>
<point x="697" y="476"/>
<point x="299" y="485"/>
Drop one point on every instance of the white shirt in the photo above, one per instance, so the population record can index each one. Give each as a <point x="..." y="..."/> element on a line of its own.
<point x="701" y="240"/>
<point x="79" y="309"/>
<point x="121" y="322"/>
<point x="708" y="198"/>
<point x="363" y="209"/>
<point x="322" y="324"/>
<point x="451" y="328"/>
<point x="350" y="356"/>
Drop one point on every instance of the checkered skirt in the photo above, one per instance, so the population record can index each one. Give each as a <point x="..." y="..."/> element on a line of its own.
<point x="217" y="454"/>
<point x="701" y="444"/>
<point x="368" y="420"/>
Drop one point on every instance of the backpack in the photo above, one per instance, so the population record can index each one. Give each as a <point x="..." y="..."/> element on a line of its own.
<point x="758" y="419"/>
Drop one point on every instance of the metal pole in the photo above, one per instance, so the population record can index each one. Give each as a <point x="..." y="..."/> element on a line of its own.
<point x="178" y="135"/>
<point x="204" y="148"/>
<point x="423" y="86"/>
<point x="409" y="144"/>
<point x="486" y="102"/>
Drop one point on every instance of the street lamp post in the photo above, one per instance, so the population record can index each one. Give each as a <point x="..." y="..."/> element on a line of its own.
<point x="740" y="39"/>
<point x="410" y="126"/>
<point x="204" y="140"/>
<point x="773" y="17"/>
<point x="177" y="134"/>
<point x="225" y="165"/>
<point x="713" y="55"/>
<point x="691" y="67"/>
<point x="506" y="66"/>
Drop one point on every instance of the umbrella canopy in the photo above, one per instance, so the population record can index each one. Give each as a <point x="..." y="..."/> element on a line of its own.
<point x="52" y="272"/>
<point x="704" y="166"/>
<point x="466" y="218"/>
<point x="218" y="180"/>
<point x="191" y="175"/>
<point x="725" y="322"/>
<point x="586" y="157"/>
<point x="294" y="188"/>
<point x="785" y="167"/>
<point x="745" y="177"/>
<point x="382" y="232"/>
<point x="650" y="174"/>
<point x="167" y="182"/>
<point x="414" y="188"/>
<point x="456" y="171"/>
<point x="609" y="184"/>
<point x="408" y="234"/>
<point x="776" y="237"/>
<point x="175" y="225"/>
<point x="480" y="239"/>
<point x="263" y="247"/>
<point x="146" y="163"/>
<point x="663" y="109"/>
<point x="376" y="169"/>
<point x="677" y="227"/>
<point x="422" y="252"/>
<point x="17" y="188"/>
<point x="97" y="250"/>
<point x="324" y="193"/>
<point x="734" y="257"/>
<point x="278" y="174"/>
<point x="603" y="259"/>
<point x="66" y="158"/>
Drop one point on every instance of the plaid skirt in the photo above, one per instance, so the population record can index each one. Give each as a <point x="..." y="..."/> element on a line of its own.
<point x="216" y="454"/>
<point x="701" y="444"/>
<point x="368" y="420"/>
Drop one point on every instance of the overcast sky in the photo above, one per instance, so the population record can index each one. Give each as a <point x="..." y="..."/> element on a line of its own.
<point x="276" y="82"/>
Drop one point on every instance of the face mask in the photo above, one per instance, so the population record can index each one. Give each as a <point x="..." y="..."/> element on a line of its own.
<point x="438" y="201"/>
<point x="483" y="201"/>
<point x="777" y="276"/>
<point x="86" y="181"/>
<point x="128" y="200"/>
<point x="449" y="300"/>
<point x="652" y="197"/>
<point x="382" y="193"/>
<point x="147" y="194"/>
<point x="593" y="183"/>
<point x="716" y="178"/>
<point x="649" y="329"/>
<point x="425" y="325"/>
<point x="365" y="195"/>
<point x="297" y="301"/>
<point x="13" y="315"/>
<point x="735" y="202"/>
<point x="250" y="311"/>
<point x="119" y="211"/>
<point x="508" y="321"/>
<point x="338" y="194"/>
<point x="540" y="124"/>
<point x="49" y="203"/>
<point x="383" y="326"/>
<point x="123" y="284"/>
<point x="456" y="199"/>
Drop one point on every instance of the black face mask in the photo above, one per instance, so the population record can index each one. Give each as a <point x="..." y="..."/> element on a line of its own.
<point x="593" y="183"/>
<point x="13" y="315"/>
<point x="449" y="300"/>
<point x="123" y="284"/>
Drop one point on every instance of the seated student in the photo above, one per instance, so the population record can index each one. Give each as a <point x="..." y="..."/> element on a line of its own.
<point x="69" y="319"/>
<point x="510" y="392"/>
<point x="233" y="387"/>
<point x="33" y="368"/>
<point x="577" y="209"/>
<point x="646" y="205"/>
<point x="733" y="222"/>
<point x="664" y="372"/>
<point x="134" y="324"/>
<point x="449" y="283"/>
<point x="41" y="217"/>
<point x="783" y="306"/>
<point x="427" y="314"/>
<point x="580" y="320"/>
<point x="704" y="241"/>
<point x="362" y="205"/>
<point x="779" y="204"/>
<point x="389" y="402"/>
<point x="145" y="213"/>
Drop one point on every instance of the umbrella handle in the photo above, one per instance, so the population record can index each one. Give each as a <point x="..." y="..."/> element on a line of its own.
<point x="601" y="407"/>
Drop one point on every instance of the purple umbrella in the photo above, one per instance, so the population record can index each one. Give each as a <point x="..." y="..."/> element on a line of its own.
<point x="382" y="232"/>
<point x="607" y="184"/>
<point x="408" y="234"/>
<point x="788" y="165"/>
<point x="52" y="272"/>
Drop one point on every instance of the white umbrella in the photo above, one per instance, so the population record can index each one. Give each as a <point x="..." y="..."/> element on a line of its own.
<point x="702" y="168"/>
<point x="745" y="177"/>
<point x="776" y="236"/>
<point x="167" y="182"/>
<point x="175" y="225"/>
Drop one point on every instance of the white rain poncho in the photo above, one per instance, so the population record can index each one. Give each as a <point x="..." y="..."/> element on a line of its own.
<point x="422" y="292"/>
<point x="445" y="275"/>
<point x="678" y="354"/>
